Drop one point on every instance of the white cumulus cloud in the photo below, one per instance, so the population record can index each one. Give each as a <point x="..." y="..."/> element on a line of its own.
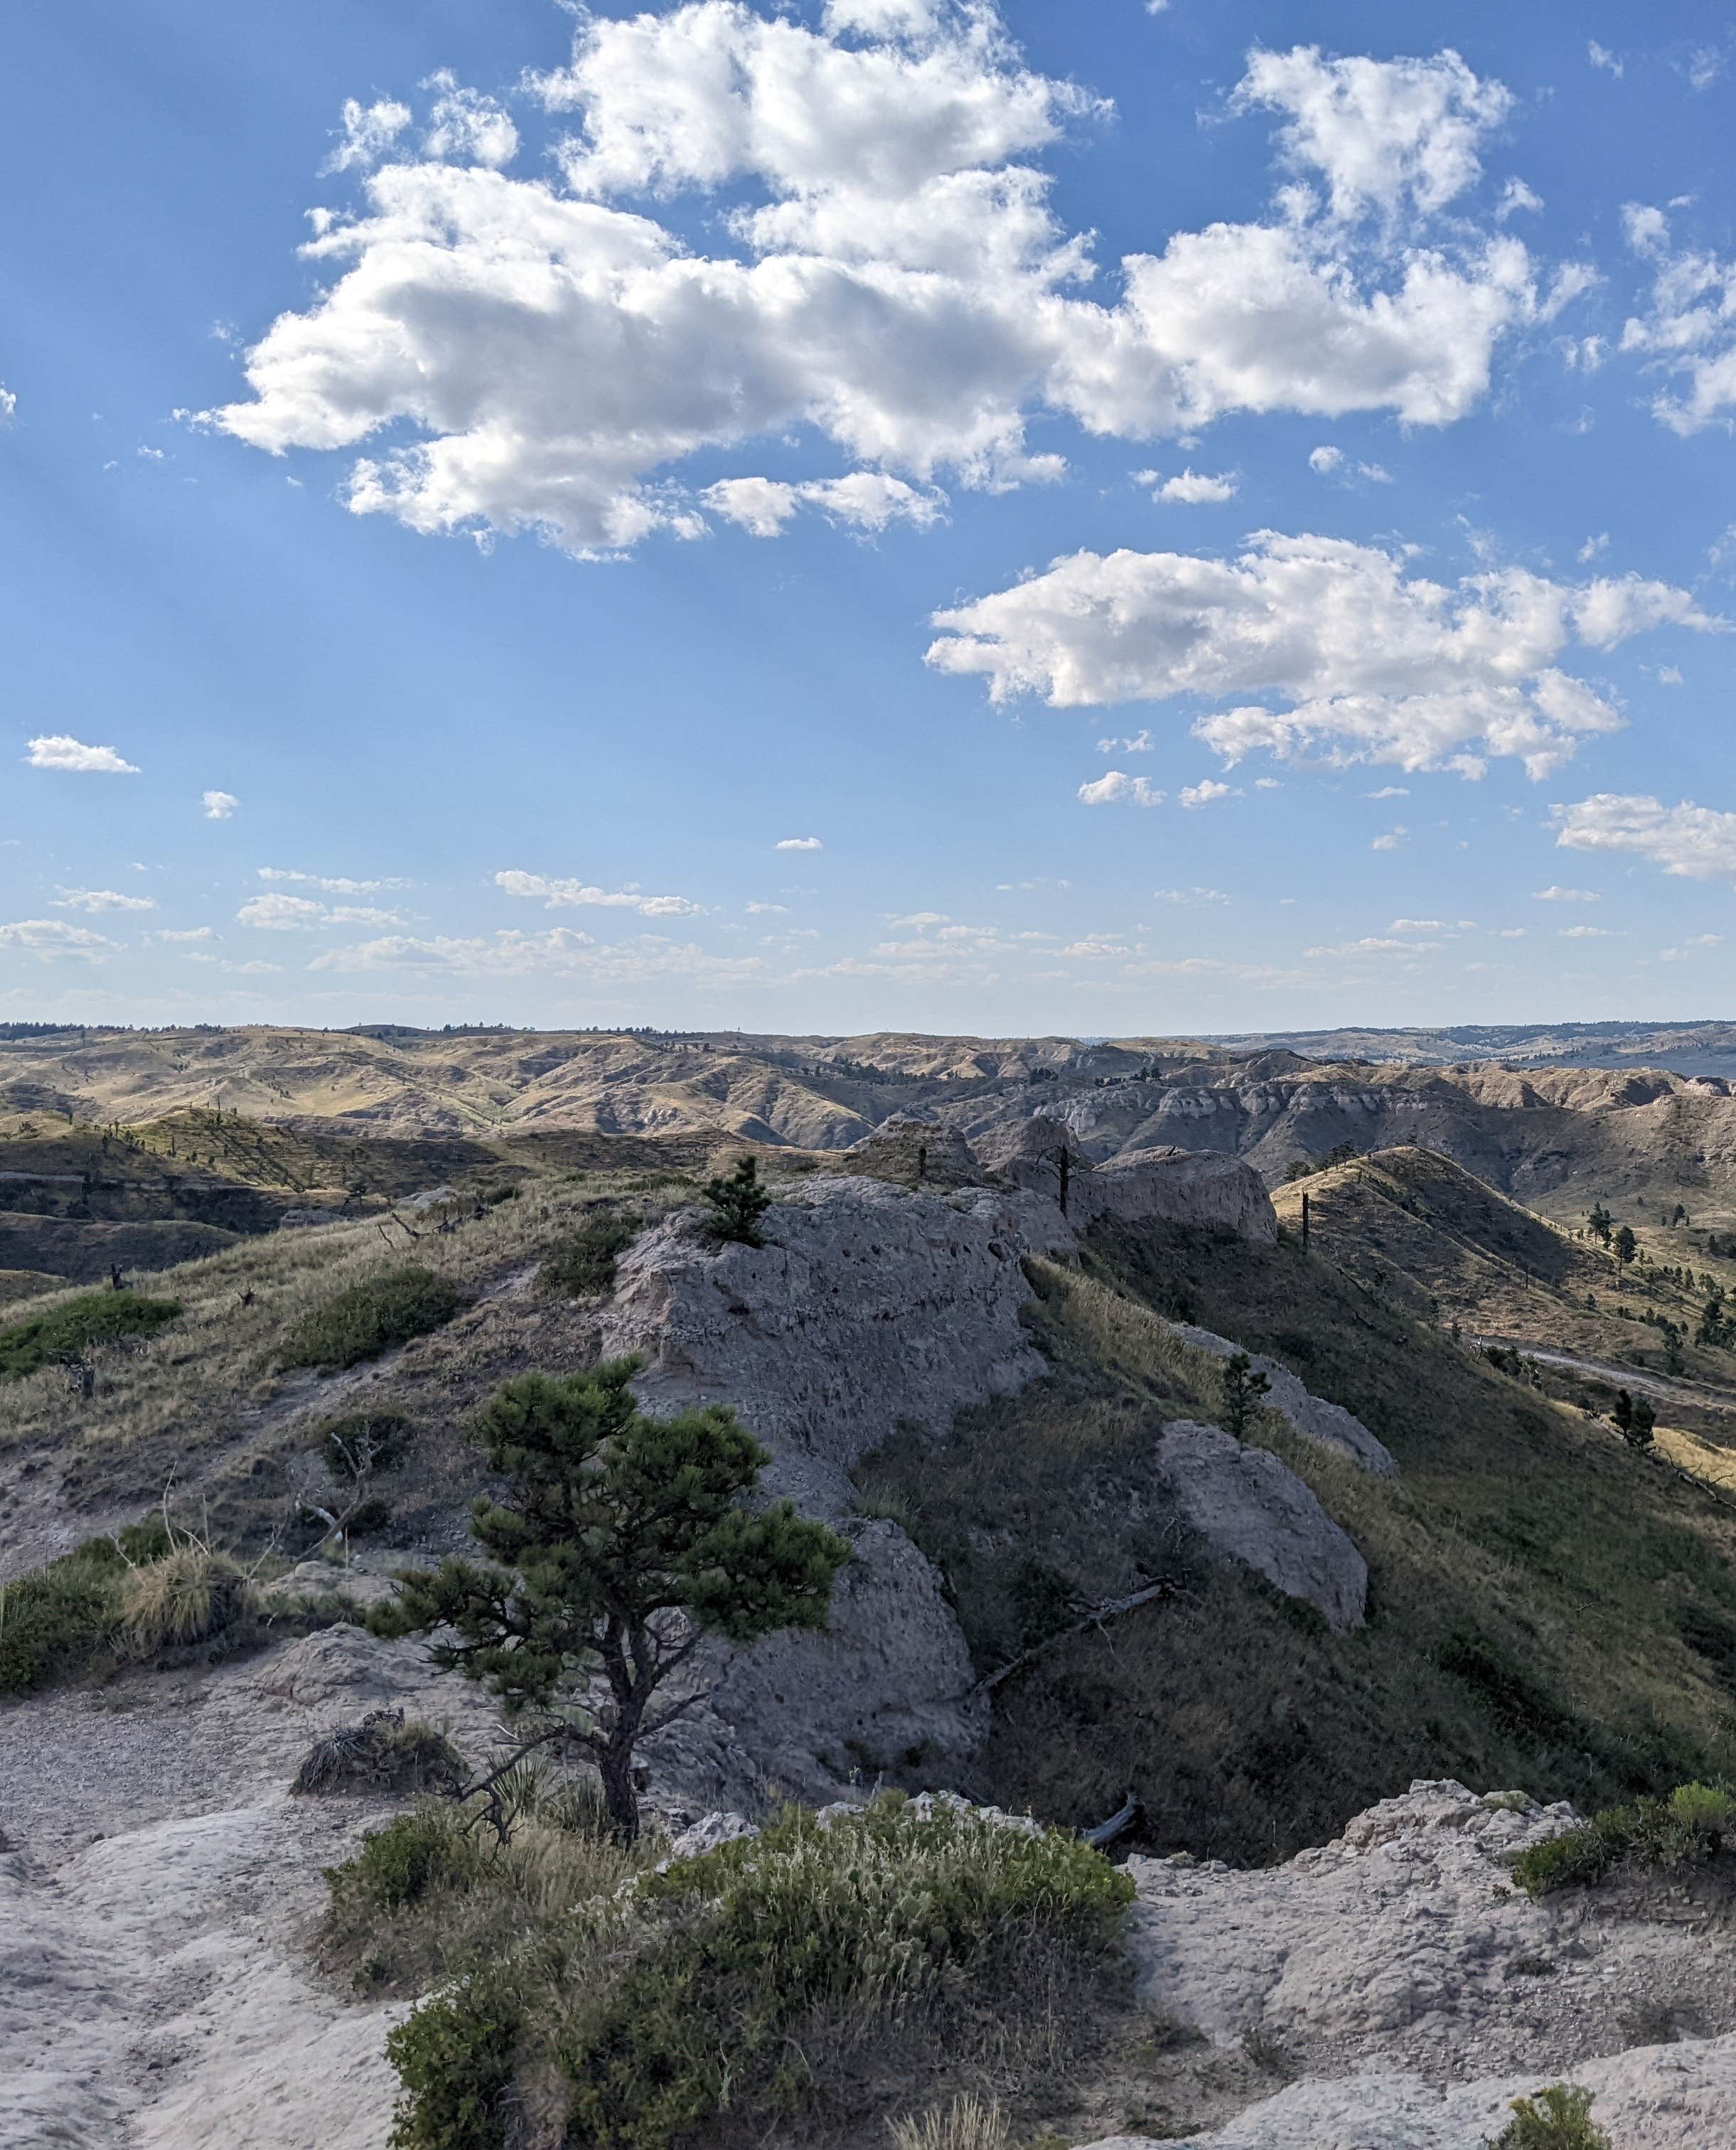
<point x="219" y="805"/>
<point x="1365" y="662"/>
<point x="52" y="939"/>
<point x="1688" y="333"/>
<point x="890" y="273"/>
<point x="1696" y="842"/>
<point x="280" y="914"/>
<point x="333" y="885"/>
<point x="101" y="899"/>
<point x="1556" y="894"/>
<point x="557" y="895"/>
<point x="368" y="132"/>
<point x="864" y="500"/>
<point x="1116" y="786"/>
<point x="798" y="843"/>
<point x="1193" y="488"/>
<point x="1203" y="793"/>
<point x="60" y="750"/>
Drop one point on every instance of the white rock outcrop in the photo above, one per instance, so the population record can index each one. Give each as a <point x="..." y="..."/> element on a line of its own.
<point x="1158" y="1185"/>
<point x="886" y="1688"/>
<point x="1251" y="1507"/>
<point x="1329" y="1424"/>
<point x="869" y="1305"/>
<point x="1416" y="1993"/>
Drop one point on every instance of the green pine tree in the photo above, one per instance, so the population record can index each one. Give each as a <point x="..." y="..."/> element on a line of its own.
<point x="1243" y="1389"/>
<point x="625" y="1541"/>
<point x="737" y="1204"/>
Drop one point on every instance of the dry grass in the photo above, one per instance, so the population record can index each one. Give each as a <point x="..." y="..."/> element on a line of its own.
<point x="1698" y="1457"/>
<point x="967" y="2123"/>
<point x="200" y="1384"/>
<point x="189" y="1595"/>
<point x="1547" y="1609"/>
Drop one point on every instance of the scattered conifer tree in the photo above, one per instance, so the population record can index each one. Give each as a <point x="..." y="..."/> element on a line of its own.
<point x="1243" y="1389"/>
<point x="737" y="1204"/>
<point x="624" y="1542"/>
<point x="1626" y="1246"/>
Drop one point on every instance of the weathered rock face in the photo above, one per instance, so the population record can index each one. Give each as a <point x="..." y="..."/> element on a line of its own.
<point x="1417" y="1992"/>
<point x="1251" y="1507"/>
<point x="1330" y="1425"/>
<point x="916" y="1149"/>
<point x="867" y="1306"/>
<point x="870" y="1305"/>
<point x="1140" y="1186"/>
<point x="886" y="1689"/>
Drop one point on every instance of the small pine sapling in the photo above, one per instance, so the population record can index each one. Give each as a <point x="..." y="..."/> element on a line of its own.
<point x="737" y="1205"/>
<point x="1244" y="1387"/>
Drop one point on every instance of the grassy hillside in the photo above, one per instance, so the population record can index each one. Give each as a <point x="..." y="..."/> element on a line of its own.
<point x="210" y="1405"/>
<point x="1547" y="1609"/>
<point x="1410" y="1222"/>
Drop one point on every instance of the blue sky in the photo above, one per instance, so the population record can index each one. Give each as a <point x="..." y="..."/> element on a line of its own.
<point x="883" y="514"/>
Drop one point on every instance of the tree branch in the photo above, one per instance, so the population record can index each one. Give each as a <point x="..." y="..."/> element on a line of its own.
<point x="1095" y="1618"/>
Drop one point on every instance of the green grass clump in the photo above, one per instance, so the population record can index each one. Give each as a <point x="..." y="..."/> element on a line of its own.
<point x="1558" y="2118"/>
<point x="57" y="1622"/>
<point x="66" y="1332"/>
<point x="188" y="1594"/>
<point x="53" y="1623"/>
<point x="581" y="1263"/>
<point x="364" y="1319"/>
<point x="1684" y="1829"/>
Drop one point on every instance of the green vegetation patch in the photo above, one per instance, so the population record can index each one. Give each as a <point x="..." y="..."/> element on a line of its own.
<point x="66" y="1332"/>
<point x="1686" y="1829"/>
<point x="1558" y="2118"/>
<point x="779" y="1955"/>
<point x="812" y="1971"/>
<point x="582" y="1263"/>
<point x="364" y="1319"/>
<point x="361" y="1442"/>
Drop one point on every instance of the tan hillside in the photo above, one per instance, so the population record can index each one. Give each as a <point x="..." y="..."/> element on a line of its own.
<point x="1410" y="1225"/>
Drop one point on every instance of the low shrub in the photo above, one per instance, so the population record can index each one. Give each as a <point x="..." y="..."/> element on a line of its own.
<point x="1684" y="1829"/>
<point x="454" y="2058"/>
<point x="582" y="1263"/>
<point x="813" y="1969"/>
<point x="777" y="1966"/>
<point x="401" y="1863"/>
<point x="65" y="1619"/>
<point x="364" y="1441"/>
<point x="66" y="1332"/>
<point x="364" y="1319"/>
<point x="383" y="1753"/>
<point x="53" y="1623"/>
<point x="1558" y="2118"/>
